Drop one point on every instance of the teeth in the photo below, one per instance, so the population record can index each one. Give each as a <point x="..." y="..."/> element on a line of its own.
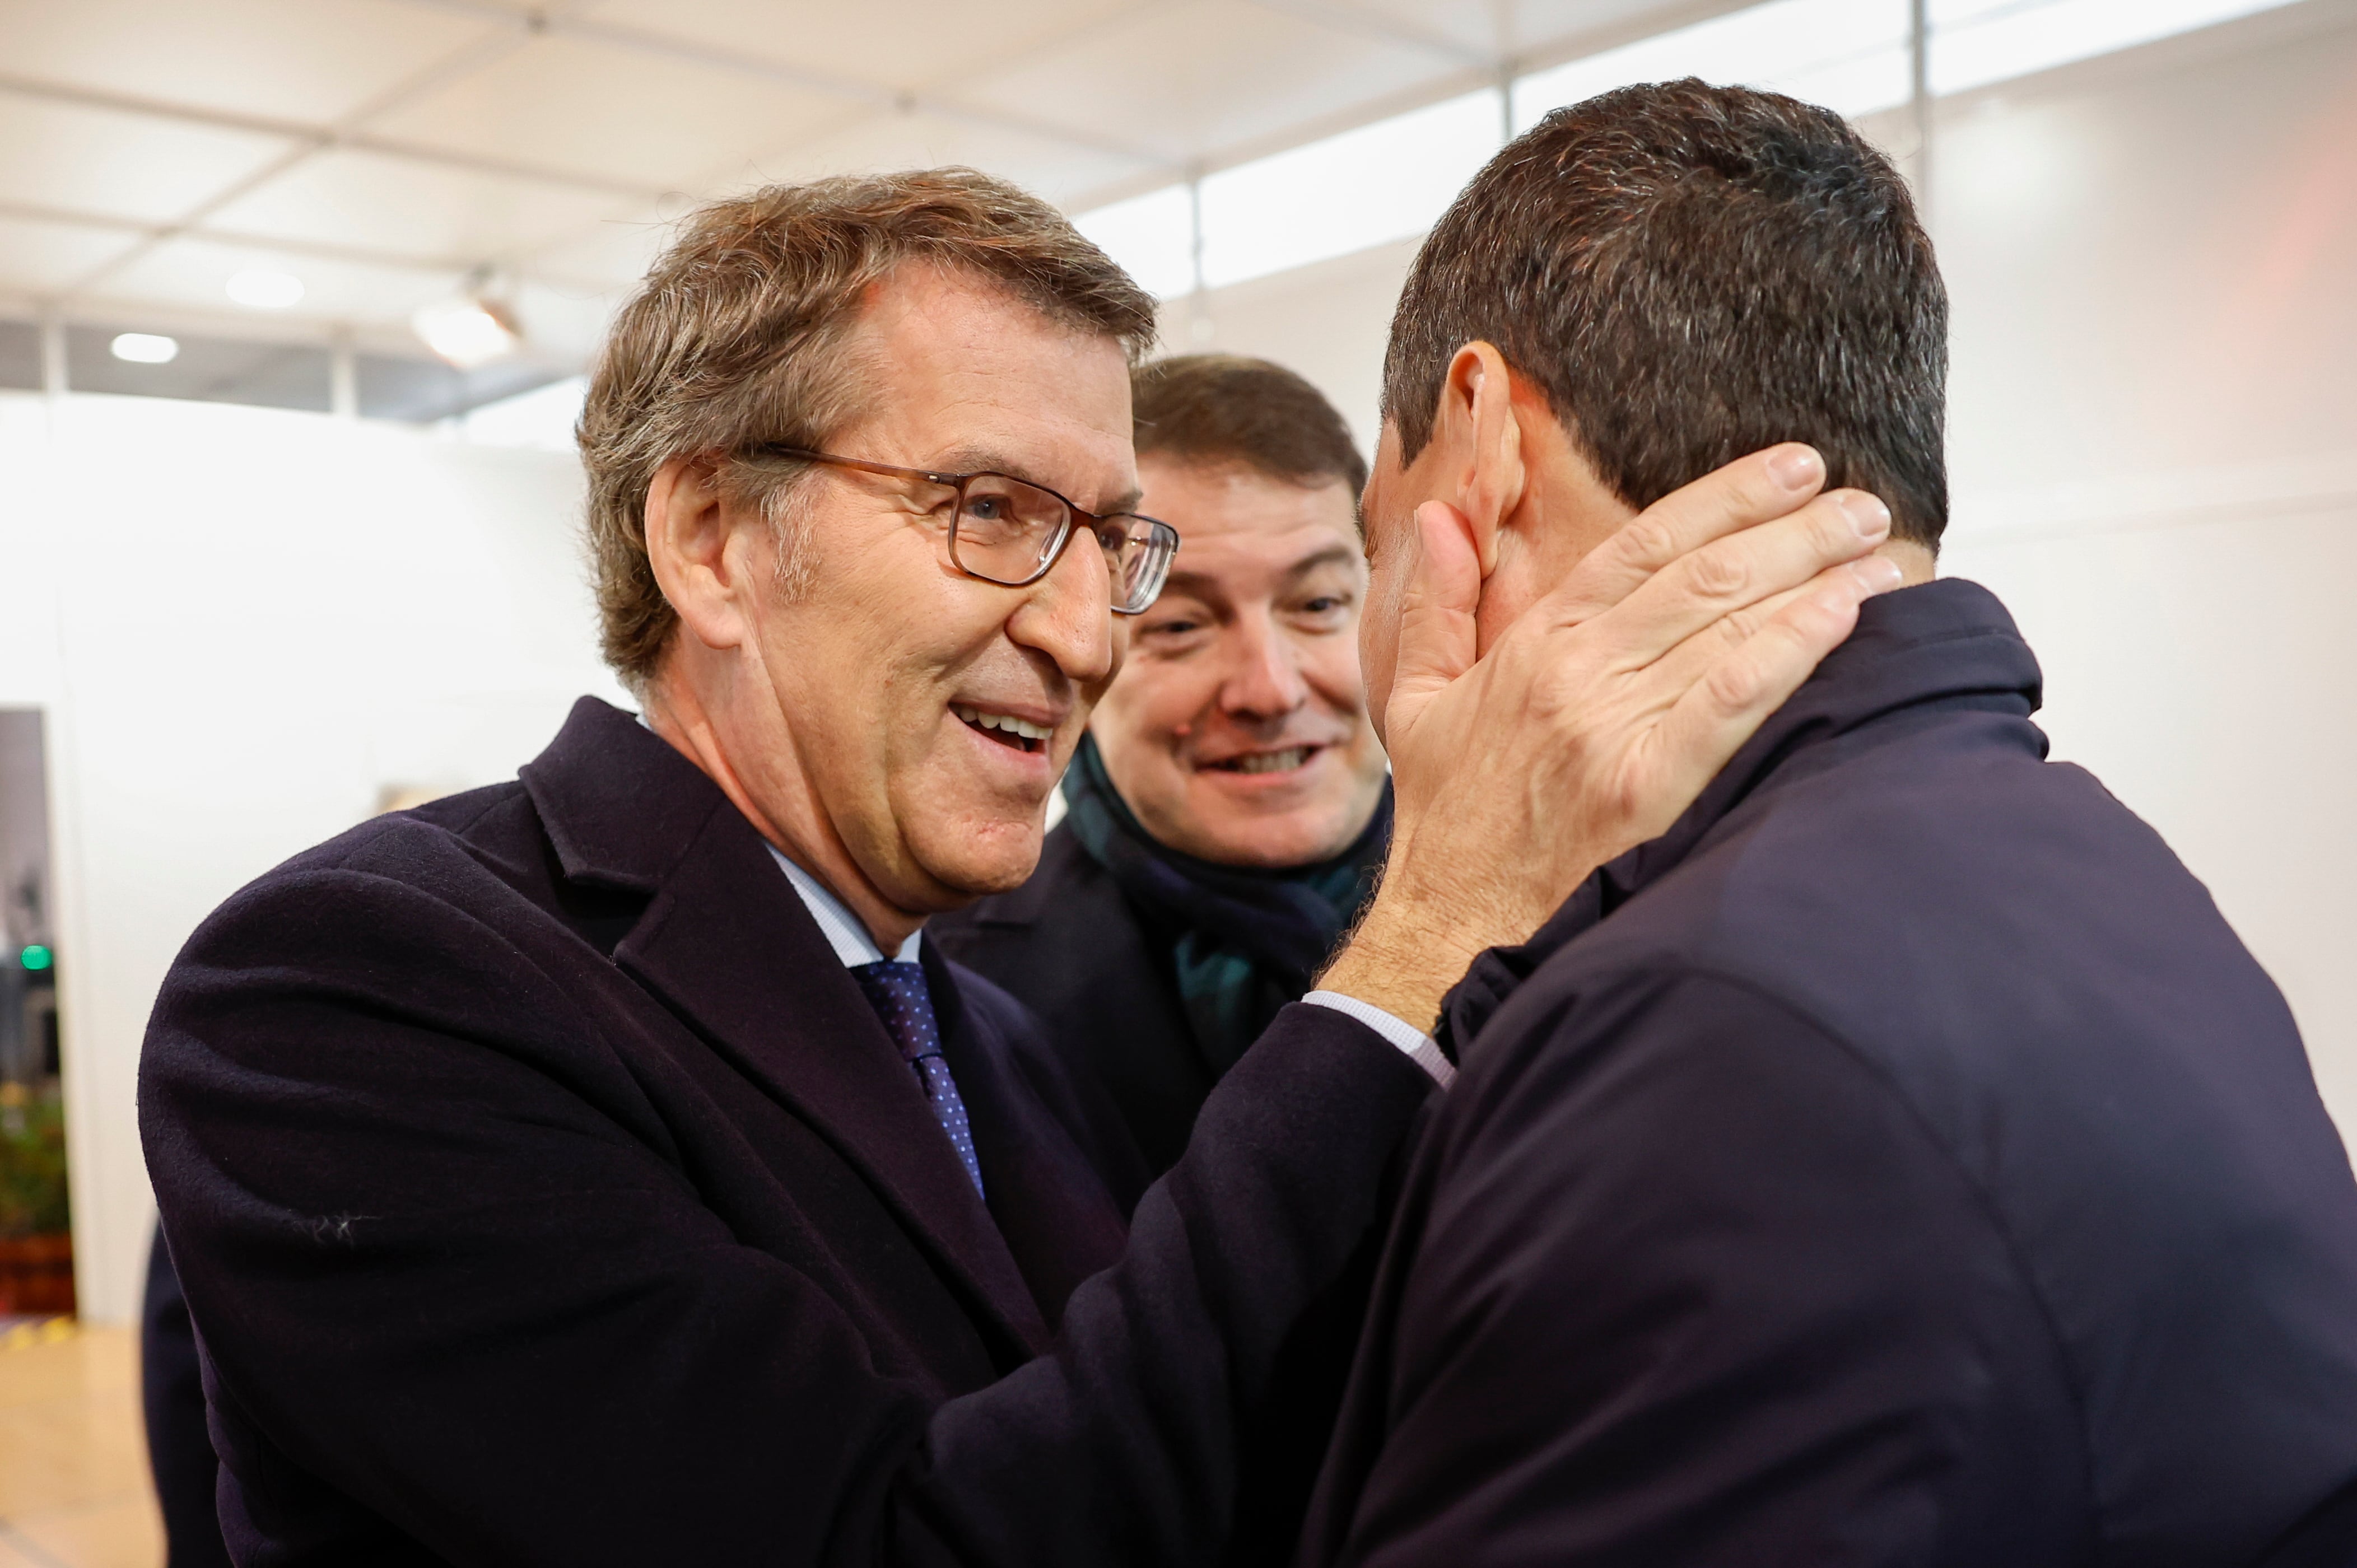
<point x="1007" y="722"/>
<point x="1272" y="761"/>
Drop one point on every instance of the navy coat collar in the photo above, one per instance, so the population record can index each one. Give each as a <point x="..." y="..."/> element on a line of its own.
<point x="727" y="942"/>
<point x="1939" y="646"/>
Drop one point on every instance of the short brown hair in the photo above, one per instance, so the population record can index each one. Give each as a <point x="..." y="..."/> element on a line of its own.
<point x="1227" y="408"/>
<point x="1692" y="272"/>
<point x="735" y="340"/>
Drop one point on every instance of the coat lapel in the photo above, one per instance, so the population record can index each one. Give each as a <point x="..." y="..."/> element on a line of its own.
<point x="1051" y="1208"/>
<point x="727" y="944"/>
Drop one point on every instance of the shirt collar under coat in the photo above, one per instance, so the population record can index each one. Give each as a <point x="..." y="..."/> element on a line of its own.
<point x="1941" y="645"/>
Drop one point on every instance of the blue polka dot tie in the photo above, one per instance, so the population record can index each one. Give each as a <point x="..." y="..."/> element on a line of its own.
<point x="898" y="993"/>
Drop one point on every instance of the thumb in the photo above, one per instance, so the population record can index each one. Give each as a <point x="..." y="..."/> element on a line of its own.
<point x="1436" y="636"/>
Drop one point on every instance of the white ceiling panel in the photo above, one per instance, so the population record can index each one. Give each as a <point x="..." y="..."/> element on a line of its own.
<point x="124" y="166"/>
<point x="193" y="275"/>
<point x="1452" y="34"/>
<point x="613" y="253"/>
<point x="39" y="258"/>
<point x="562" y="325"/>
<point x="390" y="144"/>
<point x="300" y="59"/>
<point x="1195" y="79"/>
<point x="412" y="208"/>
<point x="1539" y="28"/>
<point x="1513" y="29"/>
<point x="1055" y="169"/>
<point x="571" y="104"/>
<point x="909" y="45"/>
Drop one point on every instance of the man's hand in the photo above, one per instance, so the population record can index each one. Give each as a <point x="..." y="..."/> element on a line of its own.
<point x="1600" y="715"/>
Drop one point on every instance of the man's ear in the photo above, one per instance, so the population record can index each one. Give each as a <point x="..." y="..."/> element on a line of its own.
<point x="688" y="537"/>
<point x="1479" y="429"/>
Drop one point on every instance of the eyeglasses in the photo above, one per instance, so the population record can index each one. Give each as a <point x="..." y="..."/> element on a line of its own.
<point x="1010" y="532"/>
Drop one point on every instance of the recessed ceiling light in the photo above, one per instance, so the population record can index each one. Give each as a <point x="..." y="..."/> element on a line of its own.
<point x="264" y="289"/>
<point x="469" y="331"/>
<point x="145" y="348"/>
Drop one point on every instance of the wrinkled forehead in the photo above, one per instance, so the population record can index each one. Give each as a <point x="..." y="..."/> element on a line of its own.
<point x="964" y="375"/>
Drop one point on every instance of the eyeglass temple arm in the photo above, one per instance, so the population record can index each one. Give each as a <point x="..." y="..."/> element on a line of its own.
<point x="1080" y="513"/>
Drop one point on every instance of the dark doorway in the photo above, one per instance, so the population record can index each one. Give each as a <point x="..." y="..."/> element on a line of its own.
<point x="36" y="1242"/>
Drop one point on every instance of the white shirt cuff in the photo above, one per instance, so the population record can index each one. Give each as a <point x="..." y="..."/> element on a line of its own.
<point x="1418" y="1047"/>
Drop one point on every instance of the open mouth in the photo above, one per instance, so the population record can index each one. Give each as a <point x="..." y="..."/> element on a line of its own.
<point x="1017" y="734"/>
<point x="1284" y="761"/>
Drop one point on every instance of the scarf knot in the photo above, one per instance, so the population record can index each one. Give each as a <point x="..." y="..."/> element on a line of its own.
<point x="1243" y="940"/>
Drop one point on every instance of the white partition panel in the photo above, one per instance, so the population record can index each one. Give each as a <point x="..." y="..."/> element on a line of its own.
<point x="247" y="624"/>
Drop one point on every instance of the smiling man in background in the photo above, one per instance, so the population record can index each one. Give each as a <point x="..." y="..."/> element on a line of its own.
<point x="1229" y="806"/>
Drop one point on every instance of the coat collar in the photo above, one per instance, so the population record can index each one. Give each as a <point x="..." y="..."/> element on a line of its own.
<point x="619" y="804"/>
<point x="728" y="944"/>
<point x="1944" y="644"/>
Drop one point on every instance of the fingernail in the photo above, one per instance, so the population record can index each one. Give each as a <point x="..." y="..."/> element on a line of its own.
<point x="1866" y="514"/>
<point x="1795" y="468"/>
<point x="1879" y="574"/>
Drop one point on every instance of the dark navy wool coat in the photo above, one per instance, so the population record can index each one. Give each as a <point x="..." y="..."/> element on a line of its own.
<point x="545" y="1191"/>
<point x="1901" y="1163"/>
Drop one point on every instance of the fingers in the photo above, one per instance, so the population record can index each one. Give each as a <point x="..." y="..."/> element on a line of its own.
<point x="1436" y="634"/>
<point x="1733" y="694"/>
<point x="1730" y="575"/>
<point x="1750" y="490"/>
<point x="1682" y="666"/>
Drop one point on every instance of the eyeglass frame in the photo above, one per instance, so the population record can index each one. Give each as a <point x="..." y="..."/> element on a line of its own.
<point x="1073" y="512"/>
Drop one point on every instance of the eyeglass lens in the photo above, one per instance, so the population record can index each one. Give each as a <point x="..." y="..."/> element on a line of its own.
<point x="1008" y="531"/>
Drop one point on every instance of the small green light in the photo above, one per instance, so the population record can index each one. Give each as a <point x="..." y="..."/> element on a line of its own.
<point x="35" y="957"/>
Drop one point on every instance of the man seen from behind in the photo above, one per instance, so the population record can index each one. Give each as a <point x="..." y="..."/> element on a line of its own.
<point x="1899" y="1161"/>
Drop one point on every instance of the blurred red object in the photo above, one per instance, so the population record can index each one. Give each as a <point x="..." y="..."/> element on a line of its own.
<point x="37" y="1275"/>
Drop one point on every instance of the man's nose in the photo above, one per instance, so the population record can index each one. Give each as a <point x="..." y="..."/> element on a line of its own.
<point x="1264" y="678"/>
<point x="1068" y="614"/>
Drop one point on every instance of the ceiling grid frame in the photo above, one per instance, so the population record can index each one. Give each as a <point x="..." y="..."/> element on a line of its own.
<point x="469" y="57"/>
<point x="1451" y="66"/>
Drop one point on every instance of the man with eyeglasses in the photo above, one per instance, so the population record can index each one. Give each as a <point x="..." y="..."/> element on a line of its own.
<point x="601" y="1168"/>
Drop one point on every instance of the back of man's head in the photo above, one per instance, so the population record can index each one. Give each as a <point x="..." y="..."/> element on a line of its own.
<point x="1227" y="408"/>
<point x="1691" y="272"/>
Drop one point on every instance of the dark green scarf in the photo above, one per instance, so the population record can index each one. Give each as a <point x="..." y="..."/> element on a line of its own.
<point x="1244" y="942"/>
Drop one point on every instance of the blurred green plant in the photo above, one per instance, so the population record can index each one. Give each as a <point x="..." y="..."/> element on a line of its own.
<point x="32" y="1162"/>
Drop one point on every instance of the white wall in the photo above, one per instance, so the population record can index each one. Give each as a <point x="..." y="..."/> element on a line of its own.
<point x="2153" y="440"/>
<point x="244" y="623"/>
<point x="1328" y="321"/>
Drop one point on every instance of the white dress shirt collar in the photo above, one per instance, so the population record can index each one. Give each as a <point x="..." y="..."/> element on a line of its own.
<point x="842" y="928"/>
